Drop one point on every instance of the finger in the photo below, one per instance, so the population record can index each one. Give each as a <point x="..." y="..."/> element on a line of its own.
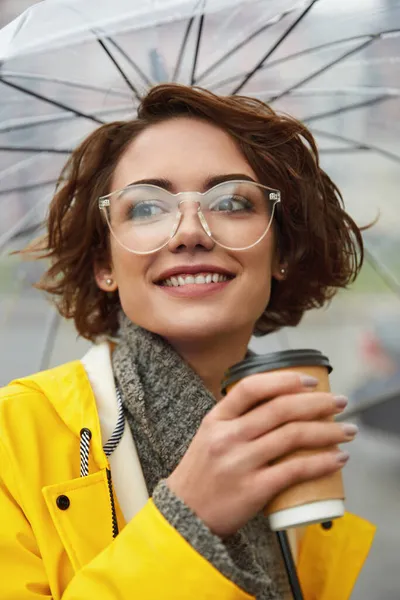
<point x="251" y="390"/>
<point x="273" y="480"/>
<point x="298" y="436"/>
<point x="311" y="406"/>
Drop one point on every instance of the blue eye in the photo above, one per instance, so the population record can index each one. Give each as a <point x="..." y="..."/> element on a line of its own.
<point x="145" y="210"/>
<point x="231" y="203"/>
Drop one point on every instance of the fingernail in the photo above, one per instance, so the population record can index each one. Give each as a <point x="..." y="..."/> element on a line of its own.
<point x="341" y="401"/>
<point x="308" y="381"/>
<point x="350" y="429"/>
<point x="342" y="457"/>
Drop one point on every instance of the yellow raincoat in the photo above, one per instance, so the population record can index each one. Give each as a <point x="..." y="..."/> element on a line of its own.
<point x="56" y="537"/>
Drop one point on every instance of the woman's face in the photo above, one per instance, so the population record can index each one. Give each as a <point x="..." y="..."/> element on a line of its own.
<point x="188" y="152"/>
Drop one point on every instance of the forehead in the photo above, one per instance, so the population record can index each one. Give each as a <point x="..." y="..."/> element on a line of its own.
<point x="186" y="151"/>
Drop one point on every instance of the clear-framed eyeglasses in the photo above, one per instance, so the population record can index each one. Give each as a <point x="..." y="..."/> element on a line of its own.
<point x="236" y="215"/>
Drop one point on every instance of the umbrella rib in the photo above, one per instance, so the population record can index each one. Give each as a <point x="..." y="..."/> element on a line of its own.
<point x="67" y="82"/>
<point x="323" y="69"/>
<point x="341" y="138"/>
<point x="359" y="148"/>
<point x="119" y="69"/>
<point x="281" y="39"/>
<point x="130" y="61"/>
<point x="56" y="119"/>
<point x="61" y="105"/>
<point x="383" y="272"/>
<point x="8" y="235"/>
<point x="343" y="109"/>
<point x="353" y="38"/>
<point x="182" y="48"/>
<point x="30" y="229"/>
<point x="196" y="53"/>
<point x="34" y="149"/>
<point x="243" y="43"/>
<point x="289" y="57"/>
<point x="28" y="188"/>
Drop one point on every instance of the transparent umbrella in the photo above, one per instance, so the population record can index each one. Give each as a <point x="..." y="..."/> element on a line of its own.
<point x="69" y="65"/>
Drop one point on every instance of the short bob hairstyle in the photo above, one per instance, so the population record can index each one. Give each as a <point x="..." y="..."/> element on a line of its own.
<point x="318" y="241"/>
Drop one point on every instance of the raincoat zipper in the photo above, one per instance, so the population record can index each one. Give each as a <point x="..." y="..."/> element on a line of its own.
<point x="115" y="529"/>
<point x="109" y="447"/>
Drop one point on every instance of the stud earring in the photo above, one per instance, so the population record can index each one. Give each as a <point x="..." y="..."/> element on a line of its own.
<point x="109" y="281"/>
<point x="283" y="271"/>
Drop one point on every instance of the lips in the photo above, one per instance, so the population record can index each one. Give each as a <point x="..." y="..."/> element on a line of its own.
<point x="201" y="279"/>
<point x="187" y="270"/>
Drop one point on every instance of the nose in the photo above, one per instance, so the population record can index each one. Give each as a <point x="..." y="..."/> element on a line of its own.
<point x="192" y="231"/>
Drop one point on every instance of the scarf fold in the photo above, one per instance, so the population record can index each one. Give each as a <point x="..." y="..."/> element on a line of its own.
<point x="165" y="402"/>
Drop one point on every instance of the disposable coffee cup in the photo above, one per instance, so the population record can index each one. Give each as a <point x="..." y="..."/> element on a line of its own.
<point x="309" y="502"/>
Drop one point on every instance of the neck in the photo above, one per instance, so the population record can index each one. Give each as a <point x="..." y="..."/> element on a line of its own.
<point x="211" y="358"/>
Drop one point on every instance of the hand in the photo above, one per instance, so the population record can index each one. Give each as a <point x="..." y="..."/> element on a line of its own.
<point x="226" y="476"/>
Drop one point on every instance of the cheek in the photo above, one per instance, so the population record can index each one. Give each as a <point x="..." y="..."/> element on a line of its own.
<point x="127" y="268"/>
<point x="260" y="271"/>
<point x="261" y="260"/>
<point x="130" y="274"/>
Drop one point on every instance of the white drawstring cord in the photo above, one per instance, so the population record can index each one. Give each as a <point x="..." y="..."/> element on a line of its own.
<point x="112" y="442"/>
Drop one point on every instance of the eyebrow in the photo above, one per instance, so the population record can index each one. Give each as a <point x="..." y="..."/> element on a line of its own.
<point x="207" y="184"/>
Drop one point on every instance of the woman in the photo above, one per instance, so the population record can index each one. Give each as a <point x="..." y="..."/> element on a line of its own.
<point x="172" y="239"/>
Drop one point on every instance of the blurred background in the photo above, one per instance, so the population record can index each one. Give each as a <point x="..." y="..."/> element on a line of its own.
<point x="359" y="331"/>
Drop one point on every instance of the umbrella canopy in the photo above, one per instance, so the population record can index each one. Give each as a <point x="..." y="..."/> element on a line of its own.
<point x="69" y="65"/>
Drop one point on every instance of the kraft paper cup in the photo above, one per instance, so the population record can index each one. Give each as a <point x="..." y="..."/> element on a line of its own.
<point x="312" y="501"/>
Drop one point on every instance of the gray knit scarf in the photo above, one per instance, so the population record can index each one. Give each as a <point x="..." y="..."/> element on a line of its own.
<point x="165" y="402"/>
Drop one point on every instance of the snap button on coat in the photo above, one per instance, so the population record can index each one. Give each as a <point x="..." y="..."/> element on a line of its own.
<point x="63" y="502"/>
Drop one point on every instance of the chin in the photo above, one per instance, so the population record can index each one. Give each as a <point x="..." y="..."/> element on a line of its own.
<point x="191" y="329"/>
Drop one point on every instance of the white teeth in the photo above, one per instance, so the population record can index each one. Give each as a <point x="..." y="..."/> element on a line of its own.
<point x="180" y="280"/>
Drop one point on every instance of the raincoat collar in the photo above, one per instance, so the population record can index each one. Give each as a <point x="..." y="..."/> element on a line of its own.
<point x="84" y="397"/>
<point x="129" y="483"/>
<point x="59" y="386"/>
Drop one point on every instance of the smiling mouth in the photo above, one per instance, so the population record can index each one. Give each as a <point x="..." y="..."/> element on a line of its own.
<point x="198" y="279"/>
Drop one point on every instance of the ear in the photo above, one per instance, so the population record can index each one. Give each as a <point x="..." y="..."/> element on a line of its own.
<point x="279" y="266"/>
<point x="105" y="278"/>
<point x="280" y="271"/>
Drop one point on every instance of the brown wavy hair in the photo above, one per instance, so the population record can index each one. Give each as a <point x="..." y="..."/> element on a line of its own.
<point x="320" y="243"/>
